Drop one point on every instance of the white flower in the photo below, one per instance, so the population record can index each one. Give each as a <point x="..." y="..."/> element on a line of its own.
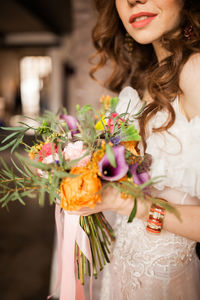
<point x="74" y="151"/>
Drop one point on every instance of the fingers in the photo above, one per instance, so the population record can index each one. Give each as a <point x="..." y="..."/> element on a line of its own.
<point x="85" y="211"/>
<point x="81" y="212"/>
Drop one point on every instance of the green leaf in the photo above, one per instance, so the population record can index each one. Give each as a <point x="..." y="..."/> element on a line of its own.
<point x="41" y="197"/>
<point x="60" y="155"/>
<point x="16" y="196"/>
<point x="9" y="137"/>
<point x="129" y="188"/>
<point x="111" y="156"/>
<point x="18" y="141"/>
<point x="36" y="180"/>
<point x="64" y="111"/>
<point x="27" y="127"/>
<point x="113" y="103"/>
<point x="52" y="148"/>
<point x="86" y="108"/>
<point x="7" y="145"/>
<point x="33" y="163"/>
<point x="129" y="133"/>
<point x="4" y="197"/>
<point x="27" y="170"/>
<point x="151" y="181"/>
<point x="141" y="109"/>
<point x="19" y="183"/>
<point x="53" y="188"/>
<point x="61" y="174"/>
<point x="78" y="107"/>
<point x="29" y="194"/>
<point x="5" y="203"/>
<point x="42" y="191"/>
<point x="133" y="212"/>
<point x="8" y="174"/>
<point x="4" y="164"/>
<point x="20" y="199"/>
<point x="19" y="170"/>
<point x="14" y="128"/>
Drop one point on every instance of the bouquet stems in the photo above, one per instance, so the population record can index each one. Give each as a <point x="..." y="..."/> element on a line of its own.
<point x="100" y="234"/>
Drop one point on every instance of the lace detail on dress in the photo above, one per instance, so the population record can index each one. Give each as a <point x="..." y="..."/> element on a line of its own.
<point x="148" y="267"/>
<point x="138" y="253"/>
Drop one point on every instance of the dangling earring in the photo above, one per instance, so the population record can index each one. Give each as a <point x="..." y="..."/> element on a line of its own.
<point x="129" y="43"/>
<point x="188" y="32"/>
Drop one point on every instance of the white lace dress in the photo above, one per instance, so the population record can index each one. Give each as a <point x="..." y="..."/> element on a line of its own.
<point x="165" y="267"/>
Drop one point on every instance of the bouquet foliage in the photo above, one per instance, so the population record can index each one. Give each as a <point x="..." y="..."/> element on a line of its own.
<point x="73" y="160"/>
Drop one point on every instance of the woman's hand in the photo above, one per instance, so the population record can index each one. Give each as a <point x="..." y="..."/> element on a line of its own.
<point x="112" y="200"/>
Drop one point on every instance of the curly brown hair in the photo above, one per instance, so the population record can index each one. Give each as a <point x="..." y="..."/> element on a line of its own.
<point x="142" y="70"/>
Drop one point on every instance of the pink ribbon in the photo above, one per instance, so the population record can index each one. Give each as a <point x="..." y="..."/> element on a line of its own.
<point x="68" y="232"/>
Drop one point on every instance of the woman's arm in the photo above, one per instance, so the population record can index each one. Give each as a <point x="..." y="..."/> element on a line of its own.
<point x="189" y="226"/>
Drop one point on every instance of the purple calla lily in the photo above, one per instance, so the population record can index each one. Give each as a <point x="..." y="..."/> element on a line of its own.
<point x="138" y="178"/>
<point x="108" y="172"/>
<point x="71" y="123"/>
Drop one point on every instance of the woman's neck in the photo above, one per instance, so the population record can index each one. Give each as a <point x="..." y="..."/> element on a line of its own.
<point x="161" y="52"/>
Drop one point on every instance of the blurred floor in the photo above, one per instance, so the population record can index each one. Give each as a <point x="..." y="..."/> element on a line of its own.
<point x="26" y="248"/>
<point x="26" y="243"/>
<point x="25" y="251"/>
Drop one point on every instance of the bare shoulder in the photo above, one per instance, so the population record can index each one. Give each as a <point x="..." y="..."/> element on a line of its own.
<point x="190" y="86"/>
<point x="190" y="71"/>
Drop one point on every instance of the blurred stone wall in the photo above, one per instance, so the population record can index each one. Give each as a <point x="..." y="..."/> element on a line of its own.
<point x="82" y="89"/>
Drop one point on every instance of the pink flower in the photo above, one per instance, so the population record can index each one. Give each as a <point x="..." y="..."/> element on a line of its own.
<point x="74" y="151"/>
<point x="48" y="160"/>
<point x="111" y="124"/>
<point x="47" y="150"/>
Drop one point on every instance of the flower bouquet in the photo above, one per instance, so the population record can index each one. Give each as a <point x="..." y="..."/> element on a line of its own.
<point x="73" y="160"/>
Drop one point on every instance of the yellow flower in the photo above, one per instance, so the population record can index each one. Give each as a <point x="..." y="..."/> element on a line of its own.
<point x="96" y="157"/>
<point x="99" y="125"/>
<point x="31" y="155"/>
<point x="80" y="191"/>
<point x="39" y="146"/>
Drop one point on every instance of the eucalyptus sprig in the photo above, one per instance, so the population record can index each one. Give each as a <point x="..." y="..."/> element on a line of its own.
<point x="28" y="183"/>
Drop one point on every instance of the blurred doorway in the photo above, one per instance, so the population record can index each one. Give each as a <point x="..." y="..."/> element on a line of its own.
<point x="35" y="72"/>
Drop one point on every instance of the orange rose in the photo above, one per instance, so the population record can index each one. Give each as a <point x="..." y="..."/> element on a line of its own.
<point x="80" y="191"/>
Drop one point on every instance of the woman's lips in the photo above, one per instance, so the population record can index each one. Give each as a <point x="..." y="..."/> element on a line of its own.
<point x="141" y="19"/>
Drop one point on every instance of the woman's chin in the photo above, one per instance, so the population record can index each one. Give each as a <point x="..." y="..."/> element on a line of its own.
<point x="146" y="38"/>
<point x="144" y="41"/>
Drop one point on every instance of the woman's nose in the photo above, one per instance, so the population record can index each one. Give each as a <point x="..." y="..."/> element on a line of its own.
<point x="133" y="2"/>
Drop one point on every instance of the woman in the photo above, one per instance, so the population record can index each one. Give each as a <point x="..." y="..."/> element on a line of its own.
<point x="163" y="65"/>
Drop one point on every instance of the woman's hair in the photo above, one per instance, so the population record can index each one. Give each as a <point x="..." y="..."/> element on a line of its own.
<point x="141" y="69"/>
